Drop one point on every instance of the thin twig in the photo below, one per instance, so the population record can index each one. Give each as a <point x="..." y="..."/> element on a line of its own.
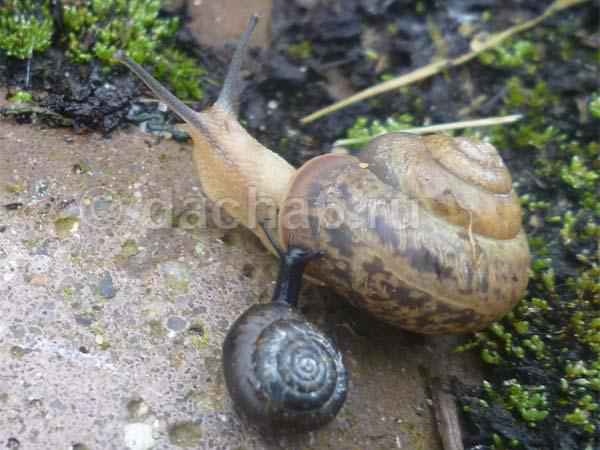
<point x="446" y="416"/>
<point x="487" y="122"/>
<point x="436" y="67"/>
<point x="443" y="402"/>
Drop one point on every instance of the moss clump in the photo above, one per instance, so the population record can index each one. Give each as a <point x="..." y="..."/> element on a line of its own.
<point x="199" y="336"/>
<point x="514" y="54"/>
<point x="66" y="226"/>
<point x="534" y="132"/>
<point x="22" y="97"/>
<point x="594" y="106"/>
<point x="578" y="175"/>
<point x="25" y="27"/>
<point x="110" y="25"/>
<point x="530" y="402"/>
<point x="364" y="129"/>
<point x="14" y="188"/>
<point x="98" y="28"/>
<point x="181" y="72"/>
<point x="300" y="51"/>
<point x="68" y="292"/>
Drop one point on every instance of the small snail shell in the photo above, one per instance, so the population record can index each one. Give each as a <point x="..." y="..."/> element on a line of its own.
<point x="280" y="370"/>
<point x="450" y="257"/>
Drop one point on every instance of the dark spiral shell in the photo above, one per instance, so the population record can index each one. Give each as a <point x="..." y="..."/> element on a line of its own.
<point x="281" y="371"/>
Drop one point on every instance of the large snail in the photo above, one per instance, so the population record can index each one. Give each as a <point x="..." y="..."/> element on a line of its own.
<point x="423" y="232"/>
<point x="279" y="369"/>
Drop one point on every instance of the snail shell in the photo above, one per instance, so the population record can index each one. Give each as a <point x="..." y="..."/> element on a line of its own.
<point x="281" y="371"/>
<point x="424" y="232"/>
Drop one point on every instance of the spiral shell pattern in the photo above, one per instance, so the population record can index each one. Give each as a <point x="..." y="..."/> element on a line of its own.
<point x="297" y="365"/>
<point x="281" y="371"/>
<point x="422" y="232"/>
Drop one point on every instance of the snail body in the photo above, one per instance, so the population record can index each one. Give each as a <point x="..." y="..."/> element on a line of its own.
<point x="424" y="232"/>
<point x="279" y="369"/>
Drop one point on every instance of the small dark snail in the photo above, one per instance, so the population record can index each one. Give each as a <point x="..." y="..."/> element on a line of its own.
<point x="424" y="232"/>
<point x="279" y="369"/>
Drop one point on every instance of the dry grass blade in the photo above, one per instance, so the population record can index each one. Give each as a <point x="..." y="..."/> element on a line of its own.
<point x="487" y="122"/>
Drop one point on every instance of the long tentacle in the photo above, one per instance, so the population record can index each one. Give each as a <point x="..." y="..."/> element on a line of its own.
<point x="180" y="108"/>
<point x="229" y="98"/>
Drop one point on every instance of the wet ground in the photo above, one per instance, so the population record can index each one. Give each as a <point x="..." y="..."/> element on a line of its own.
<point x="113" y="319"/>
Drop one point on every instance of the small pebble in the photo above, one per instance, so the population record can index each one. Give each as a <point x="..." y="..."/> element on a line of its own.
<point x="176" y="324"/>
<point x="106" y="288"/>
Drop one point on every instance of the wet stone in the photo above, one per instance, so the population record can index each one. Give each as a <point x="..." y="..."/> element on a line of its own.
<point x="106" y="288"/>
<point x="84" y="320"/>
<point x="176" y="324"/>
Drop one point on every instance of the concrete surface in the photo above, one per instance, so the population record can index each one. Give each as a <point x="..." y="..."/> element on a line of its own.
<point x="112" y="319"/>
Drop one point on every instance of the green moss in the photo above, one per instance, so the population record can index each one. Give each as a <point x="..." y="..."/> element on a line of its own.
<point x="594" y="105"/>
<point x="199" y="336"/>
<point x="129" y="248"/>
<point x="555" y="330"/>
<point x="530" y="402"/>
<point x="96" y="29"/>
<point x="365" y="129"/>
<point x="537" y="98"/>
<point x="14" y="188"/>
<point x="18" y="352"/>
<point x="25" y="27"/>
<point x="578" y="176"/>
<point x="135" y="27"/>
<point x="580" y="417"/>
<point x="567" y="232"/>
<point x="181" y="72"/>
<point x="300" y="51"/>
<point x="514" y="54"/>
<point x="22" y="97"/>
<point x="66" y="226"/>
